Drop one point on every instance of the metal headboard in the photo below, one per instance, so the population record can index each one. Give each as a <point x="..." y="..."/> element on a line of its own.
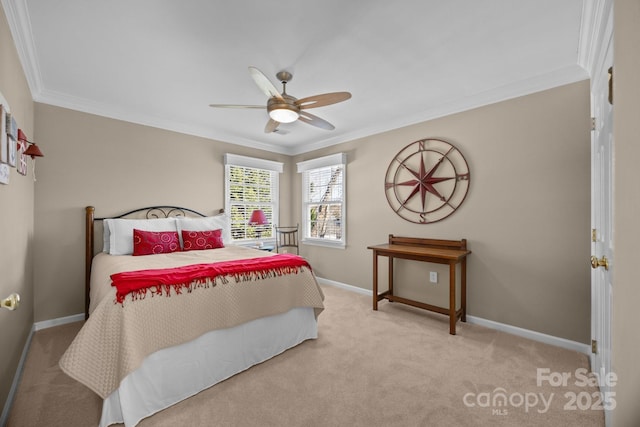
<point x="149" y="212"/>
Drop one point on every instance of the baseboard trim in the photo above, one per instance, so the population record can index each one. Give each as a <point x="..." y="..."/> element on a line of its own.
<point x="532" y="335"/>
<point x="351" y="288"/>
<point x="513" y="330"/>
<point x="57" y="322"/>
<point x="16" y="379"/>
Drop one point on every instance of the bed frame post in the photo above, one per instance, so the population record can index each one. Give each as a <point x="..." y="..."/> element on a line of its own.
<point x="88" y="257"/>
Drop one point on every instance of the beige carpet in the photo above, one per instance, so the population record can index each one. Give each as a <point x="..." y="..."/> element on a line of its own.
<point x="395" y="367"/>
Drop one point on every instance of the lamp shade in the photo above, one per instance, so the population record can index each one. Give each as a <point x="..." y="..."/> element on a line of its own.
<point x="22" y="136"/>
<point x="33" y="151"/>
<point x="258" y="218"/>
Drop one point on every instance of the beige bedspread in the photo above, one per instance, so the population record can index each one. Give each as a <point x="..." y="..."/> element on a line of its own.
<point x="116" y="338"/>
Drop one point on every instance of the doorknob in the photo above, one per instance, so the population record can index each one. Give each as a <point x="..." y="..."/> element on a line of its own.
<point x="602" y="262"/>
<point x="11" y="302"/>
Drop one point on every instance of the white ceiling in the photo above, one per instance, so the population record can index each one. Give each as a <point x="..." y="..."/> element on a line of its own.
<point x="162" y="62"/>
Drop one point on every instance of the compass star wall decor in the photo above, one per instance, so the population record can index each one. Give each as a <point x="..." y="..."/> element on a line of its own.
<point x="427" y="181"/>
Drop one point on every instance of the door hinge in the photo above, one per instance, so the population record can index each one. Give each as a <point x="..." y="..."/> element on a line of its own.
<point x="593" y="123"/>
<point x="594" y="346"/>
<point x="594" y="235"/>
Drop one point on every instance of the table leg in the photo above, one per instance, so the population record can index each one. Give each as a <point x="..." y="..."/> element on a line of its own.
<point x="390" y="275"/>
<point x="463" y="289"/>
<point x="452" y="298"/>
<point x="375" y="280"/>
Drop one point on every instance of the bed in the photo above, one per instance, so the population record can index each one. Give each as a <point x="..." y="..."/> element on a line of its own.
<point x="173" y="308"/>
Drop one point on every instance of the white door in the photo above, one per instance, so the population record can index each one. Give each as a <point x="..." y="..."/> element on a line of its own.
<point x="602" y="260"/>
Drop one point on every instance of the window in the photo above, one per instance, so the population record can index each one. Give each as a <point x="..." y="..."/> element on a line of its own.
<point x="250" y="184"/>
<point x="323" y="200"/>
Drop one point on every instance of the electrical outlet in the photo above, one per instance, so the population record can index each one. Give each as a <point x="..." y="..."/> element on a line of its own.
<point x="433" y="277"/>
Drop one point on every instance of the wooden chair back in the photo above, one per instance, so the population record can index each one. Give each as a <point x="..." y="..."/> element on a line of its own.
<point x="287" y="237"/>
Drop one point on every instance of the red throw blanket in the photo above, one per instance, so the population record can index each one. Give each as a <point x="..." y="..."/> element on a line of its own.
<point x="179" y="278"/>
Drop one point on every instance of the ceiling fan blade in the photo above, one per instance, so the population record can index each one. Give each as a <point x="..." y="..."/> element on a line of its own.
<point x="315" y="121"/>
<point x="264" y="83"/>
<point x="322" y="100"/>
<point x="271" y="126"/>
<point x="236" y="106"/>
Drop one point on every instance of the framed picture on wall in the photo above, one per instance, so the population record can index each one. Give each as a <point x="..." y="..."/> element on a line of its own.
<point x="4" y="146"/>
<point x="12" y="136"/>
<point x="4" y="173"/>
<point x="12" y="127"/>
<point x="13" y="151"/>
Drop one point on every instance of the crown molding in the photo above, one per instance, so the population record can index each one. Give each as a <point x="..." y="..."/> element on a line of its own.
<point x="550" y="80"/>
<point x="564" y="76"/>
<point x="595" y="29"/>
<point x="114" y="112"/>
<point x="20" y="26"/>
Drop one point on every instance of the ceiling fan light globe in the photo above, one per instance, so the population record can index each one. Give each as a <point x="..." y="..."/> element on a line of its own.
<point x="284" y="115"/>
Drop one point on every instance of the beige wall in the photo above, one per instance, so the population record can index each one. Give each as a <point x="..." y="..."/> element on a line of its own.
<point x="16" y="221"/>
<point x="526" y="217"/>
<point x="626" y="207"/>
<point x="114" y="166"/>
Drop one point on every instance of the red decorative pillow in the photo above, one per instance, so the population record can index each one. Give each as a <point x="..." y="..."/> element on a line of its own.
<point x="198" y="240"/>
<point x="155" y="242"/>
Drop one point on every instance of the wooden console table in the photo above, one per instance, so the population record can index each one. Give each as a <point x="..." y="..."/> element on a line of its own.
<point x="450" y="252"/>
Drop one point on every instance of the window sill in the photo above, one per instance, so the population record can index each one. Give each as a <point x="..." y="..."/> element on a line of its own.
<point x="253" y="243"/>
<point x="324" y="243"/>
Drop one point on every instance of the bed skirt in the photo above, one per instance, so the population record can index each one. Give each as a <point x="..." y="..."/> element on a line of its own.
<point x="212" y="358"/>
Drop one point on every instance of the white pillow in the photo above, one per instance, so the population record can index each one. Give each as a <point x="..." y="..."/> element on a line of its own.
<point x="215" y="222"/>
<point x="121" y="231"/>
<point x="106" y="235"/>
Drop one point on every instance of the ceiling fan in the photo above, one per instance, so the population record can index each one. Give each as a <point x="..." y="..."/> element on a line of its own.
<point x="284" y="108"/>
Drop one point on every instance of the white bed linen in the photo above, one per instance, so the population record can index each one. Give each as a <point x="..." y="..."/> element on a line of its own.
<point x="212" y="358"/>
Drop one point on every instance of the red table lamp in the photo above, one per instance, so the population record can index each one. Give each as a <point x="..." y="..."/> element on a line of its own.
<point x="258" y="219"/>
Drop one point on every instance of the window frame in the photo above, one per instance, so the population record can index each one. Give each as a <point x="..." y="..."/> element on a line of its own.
<point x="275" y="169"/>
<point x="304" y="168"/>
